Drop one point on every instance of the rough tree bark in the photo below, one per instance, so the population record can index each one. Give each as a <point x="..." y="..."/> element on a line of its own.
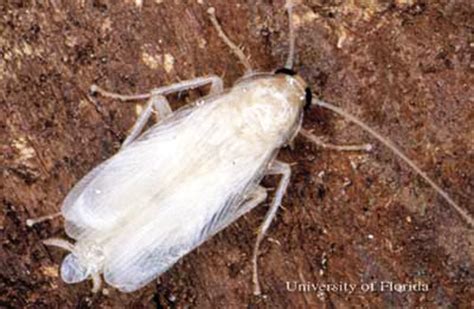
<point x="405" y="67"/>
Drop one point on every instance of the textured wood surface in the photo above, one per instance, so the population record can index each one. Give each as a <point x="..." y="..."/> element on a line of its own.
<point x="405" y="67"/>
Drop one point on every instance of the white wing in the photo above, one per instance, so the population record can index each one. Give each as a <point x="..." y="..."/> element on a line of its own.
<point x="184" y="220"/>
<point x="203" y="189"/>
<point x="123" y="184"/>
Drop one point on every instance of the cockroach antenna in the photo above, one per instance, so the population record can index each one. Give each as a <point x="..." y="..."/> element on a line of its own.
<point x="289" y="66"/>
<point x="389" y="144"/>
<point x="291" y="36"/>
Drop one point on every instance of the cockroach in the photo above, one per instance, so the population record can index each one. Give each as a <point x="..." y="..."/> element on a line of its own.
<point x="174" y="185"/>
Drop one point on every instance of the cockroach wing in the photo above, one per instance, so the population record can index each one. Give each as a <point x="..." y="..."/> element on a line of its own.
<point x="102" y="198"/>
<point x="217" y="172"/>
<point x="198" y="207"/>
<point x="125" y="182"/>
<point x="77" y="227"/>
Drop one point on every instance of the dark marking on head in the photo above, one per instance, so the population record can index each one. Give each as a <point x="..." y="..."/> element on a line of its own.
<point x="285" y="71"/>
<point x="308" y="98"/>
<point x="308" y="93"/>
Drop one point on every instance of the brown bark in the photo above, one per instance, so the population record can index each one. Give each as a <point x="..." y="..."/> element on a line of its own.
<point x="405" y="67"/>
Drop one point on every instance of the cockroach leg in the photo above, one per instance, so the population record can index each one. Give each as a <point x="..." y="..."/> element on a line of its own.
<point x="217" y="86"/>
<point x="96" y="282"/>
<point x="94" y="89"/>
<point x="31" y="222"/>
<point x="161" y="104"/>
<point x="60" y="243"/>
<point x="276" y="168"/>
<point x="254" y="199"/>
<point x="158" y="102"/>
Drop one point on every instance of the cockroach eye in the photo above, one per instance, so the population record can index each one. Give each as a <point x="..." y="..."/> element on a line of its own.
<point x="308" y="98"/>
<point x="285" y="71"/>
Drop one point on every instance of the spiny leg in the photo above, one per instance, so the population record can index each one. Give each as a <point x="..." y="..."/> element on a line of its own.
<point x="31" y="222"/>
<point x="94" y="89"/>
<point x="216" y="82"/>
<point x="157" y="100"/>
<point x="317" y="141"/>
<point x="217" y="85"/>
<point x="257" y="197"/>
<point x="235" y="49"/>
<point x="60" y="243"/>
<point x="161" y="104"/>
<point x="96" y="282"/>
<point x="276" y="168"/>
<point x="254" y="198"/>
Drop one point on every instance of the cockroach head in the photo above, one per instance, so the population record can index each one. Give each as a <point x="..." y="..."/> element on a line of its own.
<point x="288" y="68"/>
<point x="308" y="93"/>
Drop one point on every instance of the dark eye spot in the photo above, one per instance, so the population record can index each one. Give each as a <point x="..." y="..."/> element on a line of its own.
<point x="285" y="71"/>
<point x="308" y="98"/>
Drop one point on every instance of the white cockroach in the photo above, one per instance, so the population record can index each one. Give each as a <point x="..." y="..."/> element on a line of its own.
<point x="172" y="187"/>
